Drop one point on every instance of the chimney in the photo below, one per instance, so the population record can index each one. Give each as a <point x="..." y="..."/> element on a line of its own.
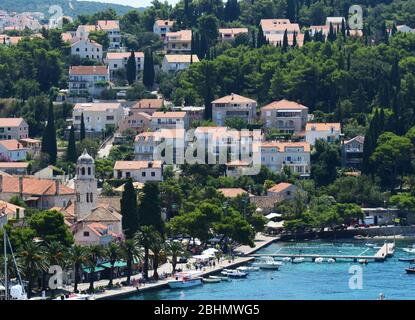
<point x="57" y="187"/>
<point x="1" y="183"/>
<point x="21" y="185"/>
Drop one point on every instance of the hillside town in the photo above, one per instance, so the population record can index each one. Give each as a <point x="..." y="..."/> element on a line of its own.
<point x="129" y="148"/>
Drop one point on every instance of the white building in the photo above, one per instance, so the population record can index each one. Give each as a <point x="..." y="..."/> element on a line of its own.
<point x="97" y="116"/>
<point x="161" y="27"/>
<point x="139" y="171"/>
<point x="169" y="120"/>
<point x="12" y="150"/>
<point x="329" y="132"/>
<point x="88" y="80"/>
<point x="233" y="106"/>
<point x="83" y="31"/>
<point x="229" y="34"/>
<point x="112" y="28"/>
<point x="118" y="60"/>
<point x="178" y="62"/>
<point x="179" y="42"/>
<point x="87" y="49"/>
<point x="278" y="26"/>
<point x="13" y="128"/>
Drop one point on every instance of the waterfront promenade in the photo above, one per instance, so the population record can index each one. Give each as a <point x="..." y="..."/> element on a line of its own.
<point x="241" y="256"/>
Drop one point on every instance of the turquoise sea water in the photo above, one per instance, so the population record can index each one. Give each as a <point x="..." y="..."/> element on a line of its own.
<point x="308" y="280"/>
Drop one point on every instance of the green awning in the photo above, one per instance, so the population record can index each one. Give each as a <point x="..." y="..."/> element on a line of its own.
<point x="118" y="264"/>
<point x="97" y="269"/>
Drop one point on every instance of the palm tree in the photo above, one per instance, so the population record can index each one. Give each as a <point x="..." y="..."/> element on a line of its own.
<point x="78" y="257"/>
<point x="32" y="258"/>
<point x="157" y="247"/>
<point x="145" y="236"/>
<point x="55" y="254"/>
<point x="94" y="253"/>
<point x="175" y="249"/>
<point x="112" y="253"/>
<point x="131" y="251"/>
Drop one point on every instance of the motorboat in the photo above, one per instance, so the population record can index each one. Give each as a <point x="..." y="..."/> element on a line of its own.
<point x="406" y="259"/>
<point x="286" y="259"/>
<point x="184" y="282"/>
<point x="210" y="280"/>
<point x="298" y="260"/>
<point x="220" y="278"/>
<point x="247" y="269"/>
<point x="410" y="269"/>
<point x="234" y="273"/>
<point x="268" y="263"/>
<point x="76" y="296"/>
<point x="363" y="261"/>
<point x="409" y="250"/>
<point x="319" y="260"/>
<point x="331" y="260"/>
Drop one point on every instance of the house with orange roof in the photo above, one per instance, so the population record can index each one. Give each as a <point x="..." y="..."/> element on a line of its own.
<point x="229" y="34"/>
<point x="278" y="39"/>
<point x="276" y="155"/>
<point x="12" y="150"/>
<point x="284" y="115"/>
<point x="148" y="106"/>
<point x="278" y="26"/>
<point x="9" y="211"/>
<point x="329" y="132"/>
<point x="13" y="128"/>
<point x="139" y="171"/>
<point x="88" y="80"/>
<point x="233" y="106"/>
<point x="118" y="61"/>
<point x="86" y="49"/>
<point x="112" y="28"/>
<point x="42" y="194"/>
<point x="94" y="234"/>
<point x="233" y="192"/>
<point x="17" y="168"/>
<point x="169" y="120"/>
<point x="178" y="62"/>
<point x="179" y="42"/>
<point x="161" y="27"/>
<point x="137" y="121"/>
<point x="284" y="190"/>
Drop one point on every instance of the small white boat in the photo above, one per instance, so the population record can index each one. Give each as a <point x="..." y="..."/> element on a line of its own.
<point x="247" y="269"/>
<point x="363" y="261"/>
<point x="76" y="296"/>
<point x="268" y="263"/>
<point x="286" y="259"/>
<point x="184" y="282"/>
<point x="220" y="278"/>
<point x="319" y="260"/>
<point x="234" y="273"/>
<point x="298" y="260"/>
<point x="331" y="260"/>
<point x="409" y="250"/>
<point x="210" y="280"/>
<point x="371" y="245"/>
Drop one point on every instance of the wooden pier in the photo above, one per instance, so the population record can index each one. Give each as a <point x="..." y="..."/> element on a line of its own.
<point x="386" y="251"/>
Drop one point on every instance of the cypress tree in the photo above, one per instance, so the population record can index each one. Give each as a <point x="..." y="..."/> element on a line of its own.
<point x="285" y="41"/>
<point x="294" y="40"/>
<point x="148" y="72"/>
<point x="395" y="78"/>
<point x="260" y="39"/>
<point x="332" y="34"/>
<point x="291" y="11"/>
<point x="82" y="132"/>
<point x="131" y="68"/>
<point x="394" y="29"/>
<point x="204" y="47"/>
<point x="384" y="33"/>
<point x="129" y="210"/>
<point x="307" y="37"/>
<point x="49" y="144"/>
<point x="343" y="29"/>
<point x="149" y="210"/>
<point x="71" y="155"/>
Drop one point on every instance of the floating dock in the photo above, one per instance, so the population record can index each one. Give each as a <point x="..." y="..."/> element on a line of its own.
<point x="386" y="251"/>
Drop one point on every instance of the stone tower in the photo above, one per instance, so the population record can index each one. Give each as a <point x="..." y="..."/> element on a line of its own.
<point x="85" y="186"/>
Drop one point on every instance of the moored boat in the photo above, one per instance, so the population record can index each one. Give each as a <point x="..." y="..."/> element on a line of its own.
<point x="234" y="273"/>
<point x="407" y="259"/>
<point x="411" y="268"/>
<point x="220" y="278"/>
<point x="363" y="261"/>
<point x="210" y="280"/>
<point x="184" y="282"/>
<point x="247" y="269"/>
<point x="298" y="260"/>
<point x="409" y="250"/>
<point x="331" y="260"/>
<point x="319" y="260"/>
<point x="267" y="263"/>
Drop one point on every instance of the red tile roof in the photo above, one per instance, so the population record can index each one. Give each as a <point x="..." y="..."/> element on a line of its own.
<point x="33" y="186"/>
<point x="88" y="70"/>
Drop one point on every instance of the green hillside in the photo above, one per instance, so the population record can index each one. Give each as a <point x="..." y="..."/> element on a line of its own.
<point x="79" y="7"/>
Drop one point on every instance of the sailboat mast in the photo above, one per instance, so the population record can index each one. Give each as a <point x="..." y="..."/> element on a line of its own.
<point x="6" y="287"/>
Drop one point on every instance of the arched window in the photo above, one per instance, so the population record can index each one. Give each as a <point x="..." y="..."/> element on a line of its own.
<point x="89" y="171"/>
<point x="87" y="197"/>
<point x="83" y="171"/>
<point x="91" y="198"/>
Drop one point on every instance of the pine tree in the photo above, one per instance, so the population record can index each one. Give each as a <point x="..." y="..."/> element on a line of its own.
<point x="285" y="41"/>
<point x="148" y="72"/>
<point x="375" y="130"/>
<point x="71" y="155"/>
<point x="82" y="133"/>
<point x="149" y="210"/>
<point x="131" y="69"/>
<point x="129" y="210"/>
<point x="49" y="144"/>
<point x="261" y="40"/>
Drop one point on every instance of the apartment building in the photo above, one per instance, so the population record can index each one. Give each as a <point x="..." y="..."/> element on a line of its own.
<point x="329" y="132"/>
<point x="97" y="116"/>
<point x="161" y="27"/>
<point x="229" y="34"/>
<point x="118" y="60"/>
<point x="137" y="121"/>
<point x="233" y="106"/>
<point x="13" y="128"/>
<point x="284" y="115"/>
<point x="87" y="49"/>
<point x="178" y="62"/>
<point x="88" y="80"/>
<point x="169" y="120"/>
<point x="112" y="28"/>
<point x="148" y="106"/>
<point x="179" y="42"/>
<point x="139" y="171"/>
<point x="278" y="26"/>
<point x="12" y="150"/>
